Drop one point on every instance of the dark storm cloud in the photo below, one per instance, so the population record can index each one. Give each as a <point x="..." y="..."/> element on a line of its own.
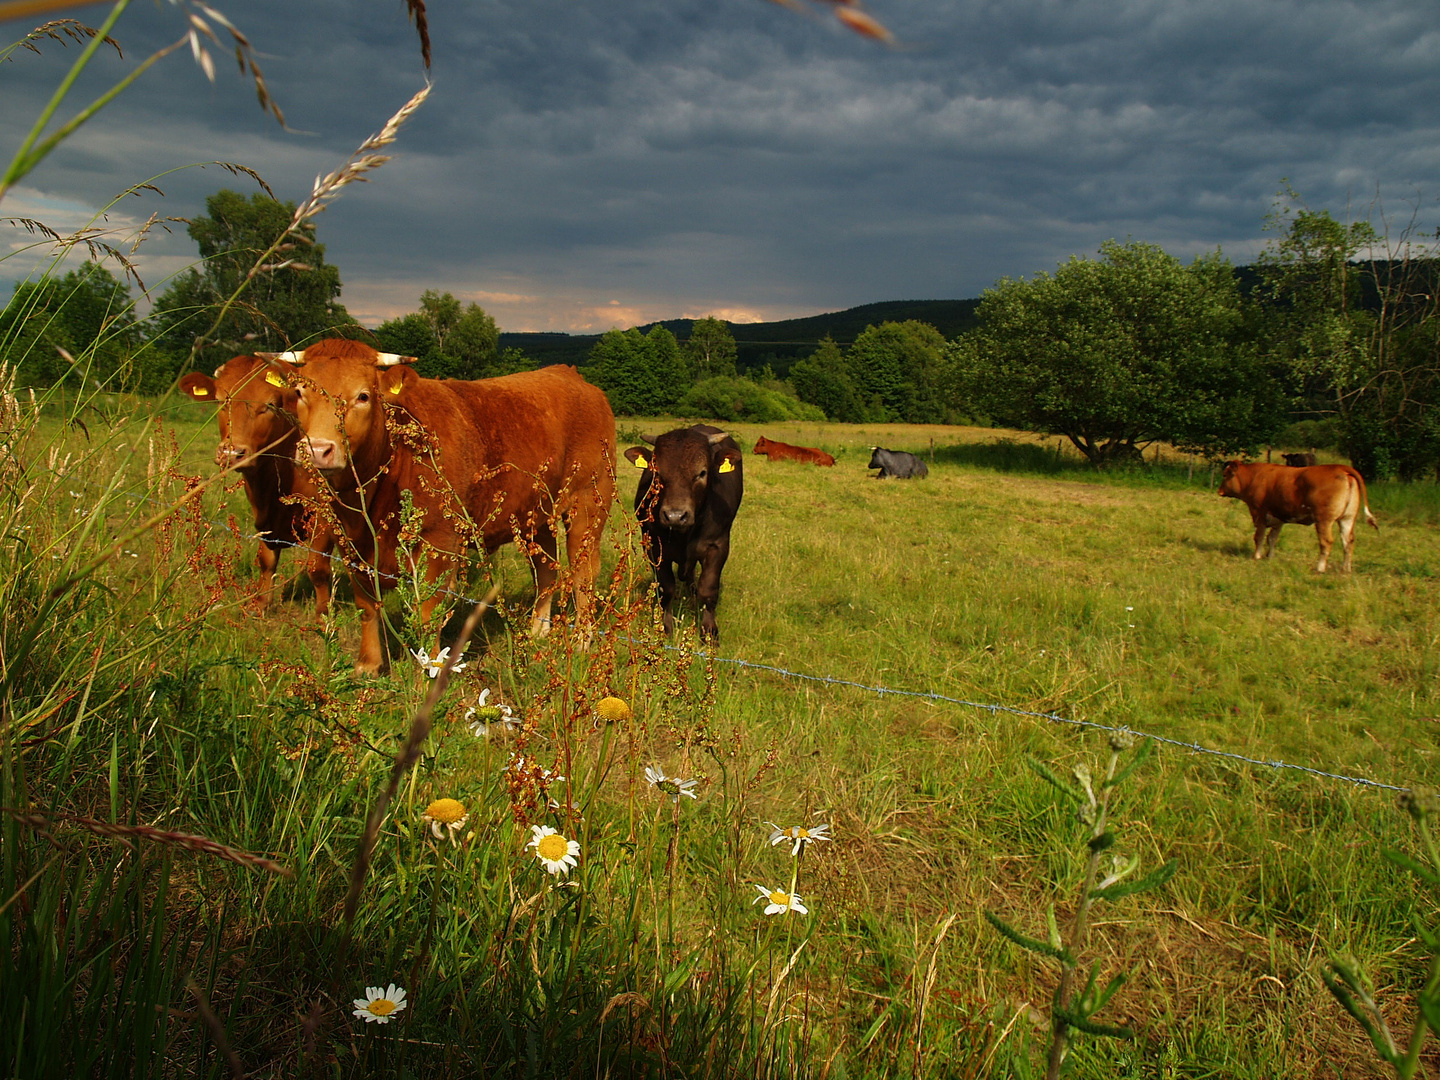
<point x="583" y="164"/>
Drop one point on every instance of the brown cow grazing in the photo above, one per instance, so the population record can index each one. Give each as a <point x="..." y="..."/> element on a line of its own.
<point x="689" y="493"/>
<point x="1321" y="495"/>
<point x="257" y="417"/>
<point x="1299" y="461"/>
<point x="779" y="451"/>
<point x="482" y="463"/>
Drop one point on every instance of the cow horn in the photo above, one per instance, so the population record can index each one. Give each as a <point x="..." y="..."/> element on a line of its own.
<point x="648" y="438"/>
<point x="294" y="356"/>
<point x="719" y="436"/>
<point x="390" y="359"/>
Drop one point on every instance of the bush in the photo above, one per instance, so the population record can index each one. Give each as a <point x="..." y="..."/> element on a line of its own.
<point x="1321" y="434"/>
<point x="733" y="398"/>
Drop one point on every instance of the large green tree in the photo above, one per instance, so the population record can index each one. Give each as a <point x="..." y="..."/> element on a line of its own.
<point x="1117" y="352"/>
<point x="1360" y="336"/>
<point x="87" y="312"/>
<point x="710" y="349"/>
<point x="451" y="340"/>
<point x="292" y="299"/>
<point x="641" y="374"/>
<point x="823" y="378"/>
<point x="899" y="369"/>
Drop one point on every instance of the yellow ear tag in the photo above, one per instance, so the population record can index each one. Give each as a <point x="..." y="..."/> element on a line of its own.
<point x="273" y="379"/>
<point x="396" y="389"/>
<point x="640" y="461"/>
<point x="200" y="391"/>
<point x="727" y="466"/>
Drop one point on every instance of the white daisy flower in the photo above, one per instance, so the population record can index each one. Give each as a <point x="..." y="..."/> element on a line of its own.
<point x="445" y="814"/>
<point x="379" y="1005"/>
<point x="670" y="785"/>
<point x="778" y="901"/>
<point x="798" y="835"/>
<point x="434" y="664"/>
<point x="555" y="853"/>
<point x="482" y="717"/>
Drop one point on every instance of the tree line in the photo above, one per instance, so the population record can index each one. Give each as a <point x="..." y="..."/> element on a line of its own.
<point x="1114" y="353"/>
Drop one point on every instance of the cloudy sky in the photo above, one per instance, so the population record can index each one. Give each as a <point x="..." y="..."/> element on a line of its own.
<point x="611" y="162"/>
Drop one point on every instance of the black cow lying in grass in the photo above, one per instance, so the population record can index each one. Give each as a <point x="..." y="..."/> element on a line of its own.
<point x="688" y="496"/>
<point x="897" y="463"/>
<point x="1299" y="461"/>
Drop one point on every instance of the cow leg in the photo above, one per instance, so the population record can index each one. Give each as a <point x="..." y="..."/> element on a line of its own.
<point x="665" y="579"/>
<point x="1325" y="533"/>
<point x="712" y="563"/>
<point x="267" y="559"/>
<point x="441" y="573"/>
<point x="1347" y="538"/>
<point x="372" y="659"/>
<point x="1260" y="539"/>
<point x="317" y="565"/>
<point x="545" y="565"/>
<point x="583" y="529"/>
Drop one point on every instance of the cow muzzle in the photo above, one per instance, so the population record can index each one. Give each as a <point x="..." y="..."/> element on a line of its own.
<point x="325" y="454"/>
<point x="676" y="518"/>
<point x="226" y="454"/>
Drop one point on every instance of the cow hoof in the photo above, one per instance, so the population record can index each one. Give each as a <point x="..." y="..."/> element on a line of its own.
<point x="539" y="627"/>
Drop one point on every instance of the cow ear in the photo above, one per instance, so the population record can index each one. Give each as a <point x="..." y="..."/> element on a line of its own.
<point x="198" y="386"/>
<point x="280" y="375"/>
<point x="639" y="457"/>
<point x="394" y="381"/>
<point x="728" y="461"/>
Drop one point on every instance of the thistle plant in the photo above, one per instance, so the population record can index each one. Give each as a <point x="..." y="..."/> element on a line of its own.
<point x="1342" y="975"/>
<point x="1108" y="876"/>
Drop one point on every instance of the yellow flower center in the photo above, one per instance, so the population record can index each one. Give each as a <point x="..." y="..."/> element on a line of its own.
<point x="613" y="709"/>
<point x="777" y="897"/>
<point x="801" y="833"/>
<point x="445" y="811"/>
<point x="381" y="1007"/>
<point x="552" y="848"/>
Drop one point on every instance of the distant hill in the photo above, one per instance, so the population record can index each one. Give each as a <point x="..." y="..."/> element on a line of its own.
<point x="779" y="344"/>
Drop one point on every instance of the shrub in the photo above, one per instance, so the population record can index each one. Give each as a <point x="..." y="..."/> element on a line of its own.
<point x="733" y="398"/>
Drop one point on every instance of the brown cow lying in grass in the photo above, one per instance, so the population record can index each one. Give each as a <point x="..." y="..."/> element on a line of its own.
<point x="779" y="451"/>
<point x="1321" y="495"/>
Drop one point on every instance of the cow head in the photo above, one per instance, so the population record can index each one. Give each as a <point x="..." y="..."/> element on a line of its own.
<point x="762" y="445"/>
<point x="875" y="462"/>
<point x="342" y="390"/>
<point x="257" y="399"/>
<point x="1234" y="479"/>
<point x="682" y="465"/>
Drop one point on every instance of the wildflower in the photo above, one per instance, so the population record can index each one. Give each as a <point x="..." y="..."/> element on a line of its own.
<point x="799" y="835"/>
<point x="778" y="901"/>
<point x="555" y="853"/>
<point x="670" y="785"/>
<point x="613" y="710"/>
<point x="482" y="716"/>
<point x="434" y="665"/>
<point x="379" y="1005"/>
<point x="521" y="766"/>
<point x="447" y="812"/>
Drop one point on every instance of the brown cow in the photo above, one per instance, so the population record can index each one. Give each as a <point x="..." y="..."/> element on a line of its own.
<point x="482" y="463"/>
<point x="256" y="417"/>
<point x="1321" y="495"/>
<point x="779" y="451"/>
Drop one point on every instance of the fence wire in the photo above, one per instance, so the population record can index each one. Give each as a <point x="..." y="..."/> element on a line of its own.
<point x="930" y="695"/>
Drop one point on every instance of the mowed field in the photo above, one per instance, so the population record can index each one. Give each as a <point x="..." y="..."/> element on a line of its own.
<point x="1012" y="576"/>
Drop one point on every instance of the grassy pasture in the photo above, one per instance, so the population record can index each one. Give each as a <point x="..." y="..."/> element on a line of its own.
<point x="1014" y="575"/>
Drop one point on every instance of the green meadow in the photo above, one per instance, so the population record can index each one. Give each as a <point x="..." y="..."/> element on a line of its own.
<point x="146" y="704"/>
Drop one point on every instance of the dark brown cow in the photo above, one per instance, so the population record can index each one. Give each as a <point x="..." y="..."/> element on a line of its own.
<point x="779" y="451"/>
<point x="482" y="463"/>
<point x="1321" y="495"/>
<point x="689" y="493"/>
<point x="257" y="408"/>
<point x="1299" y="461"/>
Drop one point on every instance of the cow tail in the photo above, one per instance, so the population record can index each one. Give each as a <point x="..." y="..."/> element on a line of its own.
<point x="1365" y="501"/>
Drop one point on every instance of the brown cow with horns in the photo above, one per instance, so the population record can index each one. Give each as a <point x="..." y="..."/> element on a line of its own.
<point x="482" y="463"/>
<point x="1320" y="495"/>
<point x="258" y="436"/>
